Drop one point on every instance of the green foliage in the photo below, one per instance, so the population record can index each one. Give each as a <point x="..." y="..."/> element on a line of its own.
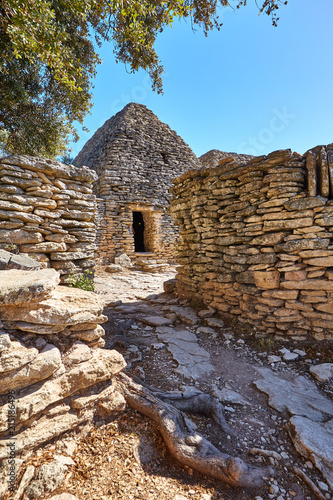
<point x="48" y="58"/>
<point x="84" y="281"/>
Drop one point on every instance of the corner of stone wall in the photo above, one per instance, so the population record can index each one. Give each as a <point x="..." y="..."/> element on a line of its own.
<point x="47" y="210"/>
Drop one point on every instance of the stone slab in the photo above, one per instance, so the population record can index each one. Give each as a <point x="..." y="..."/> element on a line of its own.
<point x="298" y="396"/>
<point x="19" y="287"/>
<point x="314" y="441"/>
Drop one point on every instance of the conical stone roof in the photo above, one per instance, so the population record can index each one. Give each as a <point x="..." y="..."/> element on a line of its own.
<point x="136" y="149"/>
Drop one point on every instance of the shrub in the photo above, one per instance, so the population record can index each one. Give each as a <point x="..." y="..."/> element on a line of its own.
<point x="84" y="281"/>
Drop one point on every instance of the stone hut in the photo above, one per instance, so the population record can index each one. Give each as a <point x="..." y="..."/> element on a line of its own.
<point x="135" y="156"/>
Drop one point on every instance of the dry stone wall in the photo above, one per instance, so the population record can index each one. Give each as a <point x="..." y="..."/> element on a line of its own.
<point x="47" y="210"/>
<point x="135" y="156"/>
<point x="257" y="240"/>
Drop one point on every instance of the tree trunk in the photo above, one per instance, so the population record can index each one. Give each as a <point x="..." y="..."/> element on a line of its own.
<point x="184" y="443"/>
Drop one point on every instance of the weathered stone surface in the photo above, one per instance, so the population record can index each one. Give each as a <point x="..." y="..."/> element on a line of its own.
<point x="16" y="356"/>
<point x="11" y="261"/>
<point x="297" y="245"/>
<point x="314" y="441"/>
<point x="123" y="260"/>
<point x="269" y="239"/>
<point x="193" y="361"/>
<point x="313" y="284"/>
<point x="46" y="247"/>
<point x="298" y="396"/>
<point x="157" y="320"/>
<point x="19" y="236"/>
<point x="78" y="353"/>
<point x="114" y="268"/>
<point x="103" y="365"/>
<point x="185" y="314"/>
<point x="320" y="261"/>
<point x="22" y="287"/>
<point x="49" y="476"/>
<point x="322" y="372"/>
<point x="305" y="203"/>
<point x="170" y="286"/>
<point x="63" y="306"/>
<point x="5" y="342"/>
<point x="40" y="368"/>
<point x="267" y="279"/>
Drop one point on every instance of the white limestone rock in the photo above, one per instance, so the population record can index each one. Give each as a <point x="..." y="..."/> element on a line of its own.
<point x="41" y="367"/>
<point x="16" y="356"/>
<point x="49" y="476"/>
<point x="103" y="365"/>
<point x="23" y="287"/>
<point x="314" y="441"/>
<point x="64" y="305"/>
<point x="322" y="372"/>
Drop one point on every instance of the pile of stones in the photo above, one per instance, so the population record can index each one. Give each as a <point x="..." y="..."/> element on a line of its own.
<point x="257" y="240"/>
<point x="54" y="374"/>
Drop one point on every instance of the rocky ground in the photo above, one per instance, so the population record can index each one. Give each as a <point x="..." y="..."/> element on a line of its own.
<point x="276" y="399"/>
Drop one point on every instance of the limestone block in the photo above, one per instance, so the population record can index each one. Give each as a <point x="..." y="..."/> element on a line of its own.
<point x="72" y="255"/>
<point x="46" y="246"/>
<point x="21" y="287"/>
<point x="123" y="260"/>
<point x="267" y="279"/>
<point x="320" y="261"/>
<point x="5" y="341"/>
<point x="114" y="268"/>
<point x="314" y="441"/>
<point x="19" y="236"/>
<point x="7" y="205"/>
<point x="47" y="213"/>
<point x="304" y="203"/>
<point x="322" y="372"/>
<point x="49" y="476"/>
<point x="63" y="306"/>
<point x="13" y="261"/>
<point x="16" y="356"/>
<point x="309" y="284"/>
<point x="103" y="365"/>
<point x="40" y="368"/>
<point x="24" y="217"/>
<point x="89" y="335"/>
<point x="78" y="353"/>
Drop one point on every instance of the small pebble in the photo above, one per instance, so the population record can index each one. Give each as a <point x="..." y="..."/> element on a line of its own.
<point x="274" y="489"/>
<point x="322" y="486"/>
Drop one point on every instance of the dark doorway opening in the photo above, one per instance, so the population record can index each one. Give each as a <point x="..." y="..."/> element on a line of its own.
<point x="138" y="231"/>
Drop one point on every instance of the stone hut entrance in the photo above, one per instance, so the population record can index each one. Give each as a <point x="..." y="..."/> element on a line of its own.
<point x="138" y="232"/>
<point x="135" y="156"/>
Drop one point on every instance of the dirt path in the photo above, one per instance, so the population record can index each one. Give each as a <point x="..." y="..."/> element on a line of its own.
<point x="188" y="352"/>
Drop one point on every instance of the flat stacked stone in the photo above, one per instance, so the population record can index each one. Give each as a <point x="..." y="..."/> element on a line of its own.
<point x="256" y="240"/>
<point x="47" y="212"/>
<point x="54" y="374"/>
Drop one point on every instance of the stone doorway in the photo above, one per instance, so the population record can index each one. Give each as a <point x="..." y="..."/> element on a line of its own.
<point x="138" y="232"/>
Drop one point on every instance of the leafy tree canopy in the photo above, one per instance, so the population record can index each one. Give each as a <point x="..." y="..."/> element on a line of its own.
<point x="48" y="59"/>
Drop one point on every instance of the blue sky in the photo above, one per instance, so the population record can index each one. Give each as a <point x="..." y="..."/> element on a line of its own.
<point x="250" y="88"/>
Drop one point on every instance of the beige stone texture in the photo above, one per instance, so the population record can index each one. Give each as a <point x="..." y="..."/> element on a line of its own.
<point x="23" y="287"/>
